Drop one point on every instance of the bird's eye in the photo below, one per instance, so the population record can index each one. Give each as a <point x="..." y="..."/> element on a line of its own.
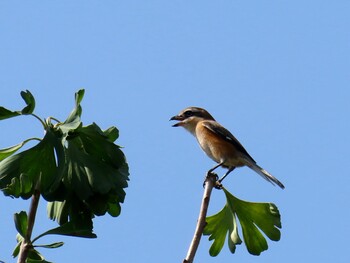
<point x="188" y="113"/>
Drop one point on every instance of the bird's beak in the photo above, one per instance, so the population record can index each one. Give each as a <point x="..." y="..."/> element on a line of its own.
<point x="177" y="118"/>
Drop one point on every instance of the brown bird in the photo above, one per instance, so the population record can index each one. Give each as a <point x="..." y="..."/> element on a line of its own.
<point x="218" y="143"/>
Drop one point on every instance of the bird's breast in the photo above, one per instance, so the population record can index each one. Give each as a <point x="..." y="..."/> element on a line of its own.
<point x="217" y="148"/>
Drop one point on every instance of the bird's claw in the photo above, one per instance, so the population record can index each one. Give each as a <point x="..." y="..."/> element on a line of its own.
<point x="210" y="175"/>
<point x="218" y="185"/>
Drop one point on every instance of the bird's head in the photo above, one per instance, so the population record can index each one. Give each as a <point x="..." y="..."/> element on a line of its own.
<point x="189" y="117"/>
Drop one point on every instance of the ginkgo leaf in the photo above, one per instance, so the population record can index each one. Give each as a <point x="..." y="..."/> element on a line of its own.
<point x="6" y="152"/>
<point x="35" y="257"/>
<point x="78" y="169"/>
<point x="95" y="173"/>
<point x="29" y="100"/>
<point x="218" y="227"/>
<point x="6" y="114"/>
<point x="28" y="109"/>
<point x="76" y="112"/>
<point x="254" y="219"/>
<point x="77" y="229"/>
<point x="52" y="245"/>
<point x="22" y="173"/>
<point x="111" y="133"/>
<point x="19" y="239"/>
<point x="21" y="223"/>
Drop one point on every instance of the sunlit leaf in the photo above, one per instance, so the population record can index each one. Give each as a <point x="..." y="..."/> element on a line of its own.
<point x="218" y="227"/>
<point x="253" y="218"/>
<point x="112" y="133"/>
<point x="58" y="211"/>
<point x="66" y="127"/>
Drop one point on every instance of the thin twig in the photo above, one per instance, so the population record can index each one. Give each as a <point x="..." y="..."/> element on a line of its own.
<point x="209" y="184"/>
<point x="27" y="244"/>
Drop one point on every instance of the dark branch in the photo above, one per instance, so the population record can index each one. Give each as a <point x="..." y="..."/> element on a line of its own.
<point x="27" y="243"/>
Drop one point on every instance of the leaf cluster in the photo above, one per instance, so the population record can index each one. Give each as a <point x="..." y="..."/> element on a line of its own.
<point x="78" y="169"/>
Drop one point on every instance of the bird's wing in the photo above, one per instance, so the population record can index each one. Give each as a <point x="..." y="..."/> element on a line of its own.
<point x="226" y="135"/>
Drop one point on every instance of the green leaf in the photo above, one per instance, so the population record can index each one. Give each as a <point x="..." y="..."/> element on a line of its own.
<point x="35" y="257"/>
<point x="73" y="124"/>
<point x="6" y="114"/>
<point x="29" y="260"/>
<point x="218" y="226"/>
<point x="114" y="209"/>
<point x="53" y="245"/>
<point x="21" y="223"/>
<point x="29" y="100"/>
<point x="76" y="112"/>
<point x="21" y="173"/>
<point x="19" y="239"/>
<point x="111" y="133"/>
<point x="11" y="150"/>
<point x="15" y="252"/>
<point x="58" y="211"/>
<point x="80" y="223"/>
<point x="73" y="215"/>
<point x="96" y="170"/>
<point x="70" y="229"/>
<point x="95" y="175"/>
<point x="253" y="217"/>
<point x="79" y="95"/>
<point x="78" y="169"/>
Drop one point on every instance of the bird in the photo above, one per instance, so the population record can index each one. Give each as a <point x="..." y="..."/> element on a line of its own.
<point x="218" y="143"/>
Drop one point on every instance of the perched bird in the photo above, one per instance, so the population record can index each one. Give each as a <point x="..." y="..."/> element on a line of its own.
<point x="218" y="143"/>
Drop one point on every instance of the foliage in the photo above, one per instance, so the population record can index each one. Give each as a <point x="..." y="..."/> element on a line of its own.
<point x="251" y="216"/>
<point x="77" y="169"/>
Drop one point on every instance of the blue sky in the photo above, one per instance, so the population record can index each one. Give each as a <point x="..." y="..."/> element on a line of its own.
<point x="275" y="73"/>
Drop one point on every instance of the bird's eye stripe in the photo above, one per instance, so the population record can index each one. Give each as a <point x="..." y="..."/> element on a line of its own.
<point x="188" y="113"/>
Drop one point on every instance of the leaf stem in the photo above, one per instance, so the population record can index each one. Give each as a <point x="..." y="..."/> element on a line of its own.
<point x="41" y="121"/>
<point x="27" y="244"/>
<point x="209" y="184"/>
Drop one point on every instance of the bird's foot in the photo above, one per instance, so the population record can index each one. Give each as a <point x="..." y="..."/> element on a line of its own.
<point x="218" y="185"/>
<point x="214" y="177"/>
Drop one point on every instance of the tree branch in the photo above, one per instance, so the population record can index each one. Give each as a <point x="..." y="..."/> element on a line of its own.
<point x="210" y="182"/>
<point x="27" y="243"/>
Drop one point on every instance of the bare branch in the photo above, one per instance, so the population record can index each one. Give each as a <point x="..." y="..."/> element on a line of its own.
<point x="210" y="182"/>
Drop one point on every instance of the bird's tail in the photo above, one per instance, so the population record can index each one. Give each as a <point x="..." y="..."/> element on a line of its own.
<point x="265" y="174"/>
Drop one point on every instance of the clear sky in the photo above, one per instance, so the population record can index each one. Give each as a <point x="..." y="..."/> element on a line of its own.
<point x="275" y="73"/>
